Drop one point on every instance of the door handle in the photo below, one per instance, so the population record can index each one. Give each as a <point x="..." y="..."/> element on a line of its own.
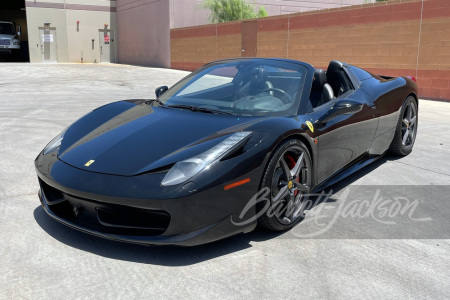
<point x="101" y="50"/>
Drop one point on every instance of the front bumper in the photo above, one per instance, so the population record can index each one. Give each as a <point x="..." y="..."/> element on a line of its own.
<point x="115" y="207"/>
<point x="9" y="49"/>
<point x="203" y="235"/>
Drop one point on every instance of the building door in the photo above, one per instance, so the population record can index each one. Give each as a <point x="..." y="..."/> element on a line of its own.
<point x="249" y="32"/>
<point x="48" y="44"/>
<point x="107" y="46"/>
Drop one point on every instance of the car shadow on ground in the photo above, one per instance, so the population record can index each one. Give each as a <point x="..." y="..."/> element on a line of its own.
<point x="158" y="255"/>
<point x="170" y="255"/>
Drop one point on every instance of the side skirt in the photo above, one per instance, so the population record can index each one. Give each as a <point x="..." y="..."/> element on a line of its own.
<point x="346" y="171"/>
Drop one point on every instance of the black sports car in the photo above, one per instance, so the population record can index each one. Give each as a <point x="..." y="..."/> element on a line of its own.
<point x="192" y="165"/>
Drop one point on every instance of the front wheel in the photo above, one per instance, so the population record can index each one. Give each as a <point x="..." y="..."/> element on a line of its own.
<point x="406" y="130"/>
<point x="288" y="177"/>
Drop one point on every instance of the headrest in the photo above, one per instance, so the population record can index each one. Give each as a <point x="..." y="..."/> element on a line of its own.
<point x="259" y="77"/>
<point x="320" y="78"/>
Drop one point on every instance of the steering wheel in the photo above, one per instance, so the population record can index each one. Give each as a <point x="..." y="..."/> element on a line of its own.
<point x="286" y="95"/>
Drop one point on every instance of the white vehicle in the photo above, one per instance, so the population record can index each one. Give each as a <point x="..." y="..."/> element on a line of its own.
<point x="9" y="39"/>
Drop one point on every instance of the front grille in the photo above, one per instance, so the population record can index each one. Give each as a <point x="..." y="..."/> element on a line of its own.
<point x="104" y="217"/>
<point x="4" y="42"/>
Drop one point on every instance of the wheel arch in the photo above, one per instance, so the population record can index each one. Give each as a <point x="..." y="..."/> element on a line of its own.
<point x="304" y="140"/>
<point x="283" y="143"/>
<point x="309" y="143"/>
<point x="413" y="94"/>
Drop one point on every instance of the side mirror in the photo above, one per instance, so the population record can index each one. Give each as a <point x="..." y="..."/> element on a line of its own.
<point x="347" y="106"/>
<point x="342" y="107"/>
<point x="161" y="90"/>
<point x="19" y="30"/>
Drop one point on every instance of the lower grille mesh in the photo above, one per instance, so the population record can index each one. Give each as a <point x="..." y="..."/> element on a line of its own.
<point x="105" y="217"/>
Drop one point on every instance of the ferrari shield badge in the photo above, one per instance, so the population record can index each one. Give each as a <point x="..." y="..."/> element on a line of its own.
<point x="89" y="163"/>
<point x="310" y="126"/>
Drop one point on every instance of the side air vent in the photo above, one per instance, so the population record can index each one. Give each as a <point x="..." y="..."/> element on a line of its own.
<point x="161" y="170"/>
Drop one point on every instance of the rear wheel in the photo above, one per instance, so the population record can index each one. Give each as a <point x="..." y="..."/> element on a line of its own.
<point x="406" y="131"/>
<point x="288" y="177"/>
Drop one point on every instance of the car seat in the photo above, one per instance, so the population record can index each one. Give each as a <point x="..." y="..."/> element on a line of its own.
<point x="321" y="91"/>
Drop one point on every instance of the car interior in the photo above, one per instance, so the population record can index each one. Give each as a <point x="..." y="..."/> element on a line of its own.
<point x="329" y="85"/>
<point x="263" y="88"/>
<point x="245" y="88"/>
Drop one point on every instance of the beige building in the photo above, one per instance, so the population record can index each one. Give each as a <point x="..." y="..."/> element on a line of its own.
<point x="72" y="30"/>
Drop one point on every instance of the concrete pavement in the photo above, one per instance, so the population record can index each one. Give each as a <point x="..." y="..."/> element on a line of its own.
<point x="43" y="259"/>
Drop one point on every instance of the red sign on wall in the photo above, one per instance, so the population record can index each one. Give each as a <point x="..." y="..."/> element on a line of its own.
<point x="106" y="38"/>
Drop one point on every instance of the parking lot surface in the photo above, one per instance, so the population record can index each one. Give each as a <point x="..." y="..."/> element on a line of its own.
<point x="43" y="259"/>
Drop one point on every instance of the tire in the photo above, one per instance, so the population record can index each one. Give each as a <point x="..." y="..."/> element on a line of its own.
<point x="406" y="130"/>
<point x="287" y="189"/>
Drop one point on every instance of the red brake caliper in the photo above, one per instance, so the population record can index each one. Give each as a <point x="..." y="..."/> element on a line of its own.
<point x="291" y="164"/>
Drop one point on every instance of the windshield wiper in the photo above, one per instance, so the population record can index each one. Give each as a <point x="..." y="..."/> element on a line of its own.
<point x="201" y="109"/>
<point x="151" y="101"/>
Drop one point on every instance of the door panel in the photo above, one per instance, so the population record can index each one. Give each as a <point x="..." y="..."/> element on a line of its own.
<point x="249" y="32"/>
<point x="106" y="46"/>
<point x="48" y="44"/>
<point x="344" y="138"/>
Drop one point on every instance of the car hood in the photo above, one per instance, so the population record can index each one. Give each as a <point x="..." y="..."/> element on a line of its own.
<point x="129" y="138"/>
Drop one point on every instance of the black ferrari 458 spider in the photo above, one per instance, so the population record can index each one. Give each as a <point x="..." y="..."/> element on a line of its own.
<point x="188" y="167"/>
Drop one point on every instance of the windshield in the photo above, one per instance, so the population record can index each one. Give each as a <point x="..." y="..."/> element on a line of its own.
<point x="252" y="87"/>
<point x="7" y="28"/>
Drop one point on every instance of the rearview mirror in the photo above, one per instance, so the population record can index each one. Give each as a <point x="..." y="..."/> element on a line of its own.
<point x="161" y="90"/>
<point x="342" y="107"/>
